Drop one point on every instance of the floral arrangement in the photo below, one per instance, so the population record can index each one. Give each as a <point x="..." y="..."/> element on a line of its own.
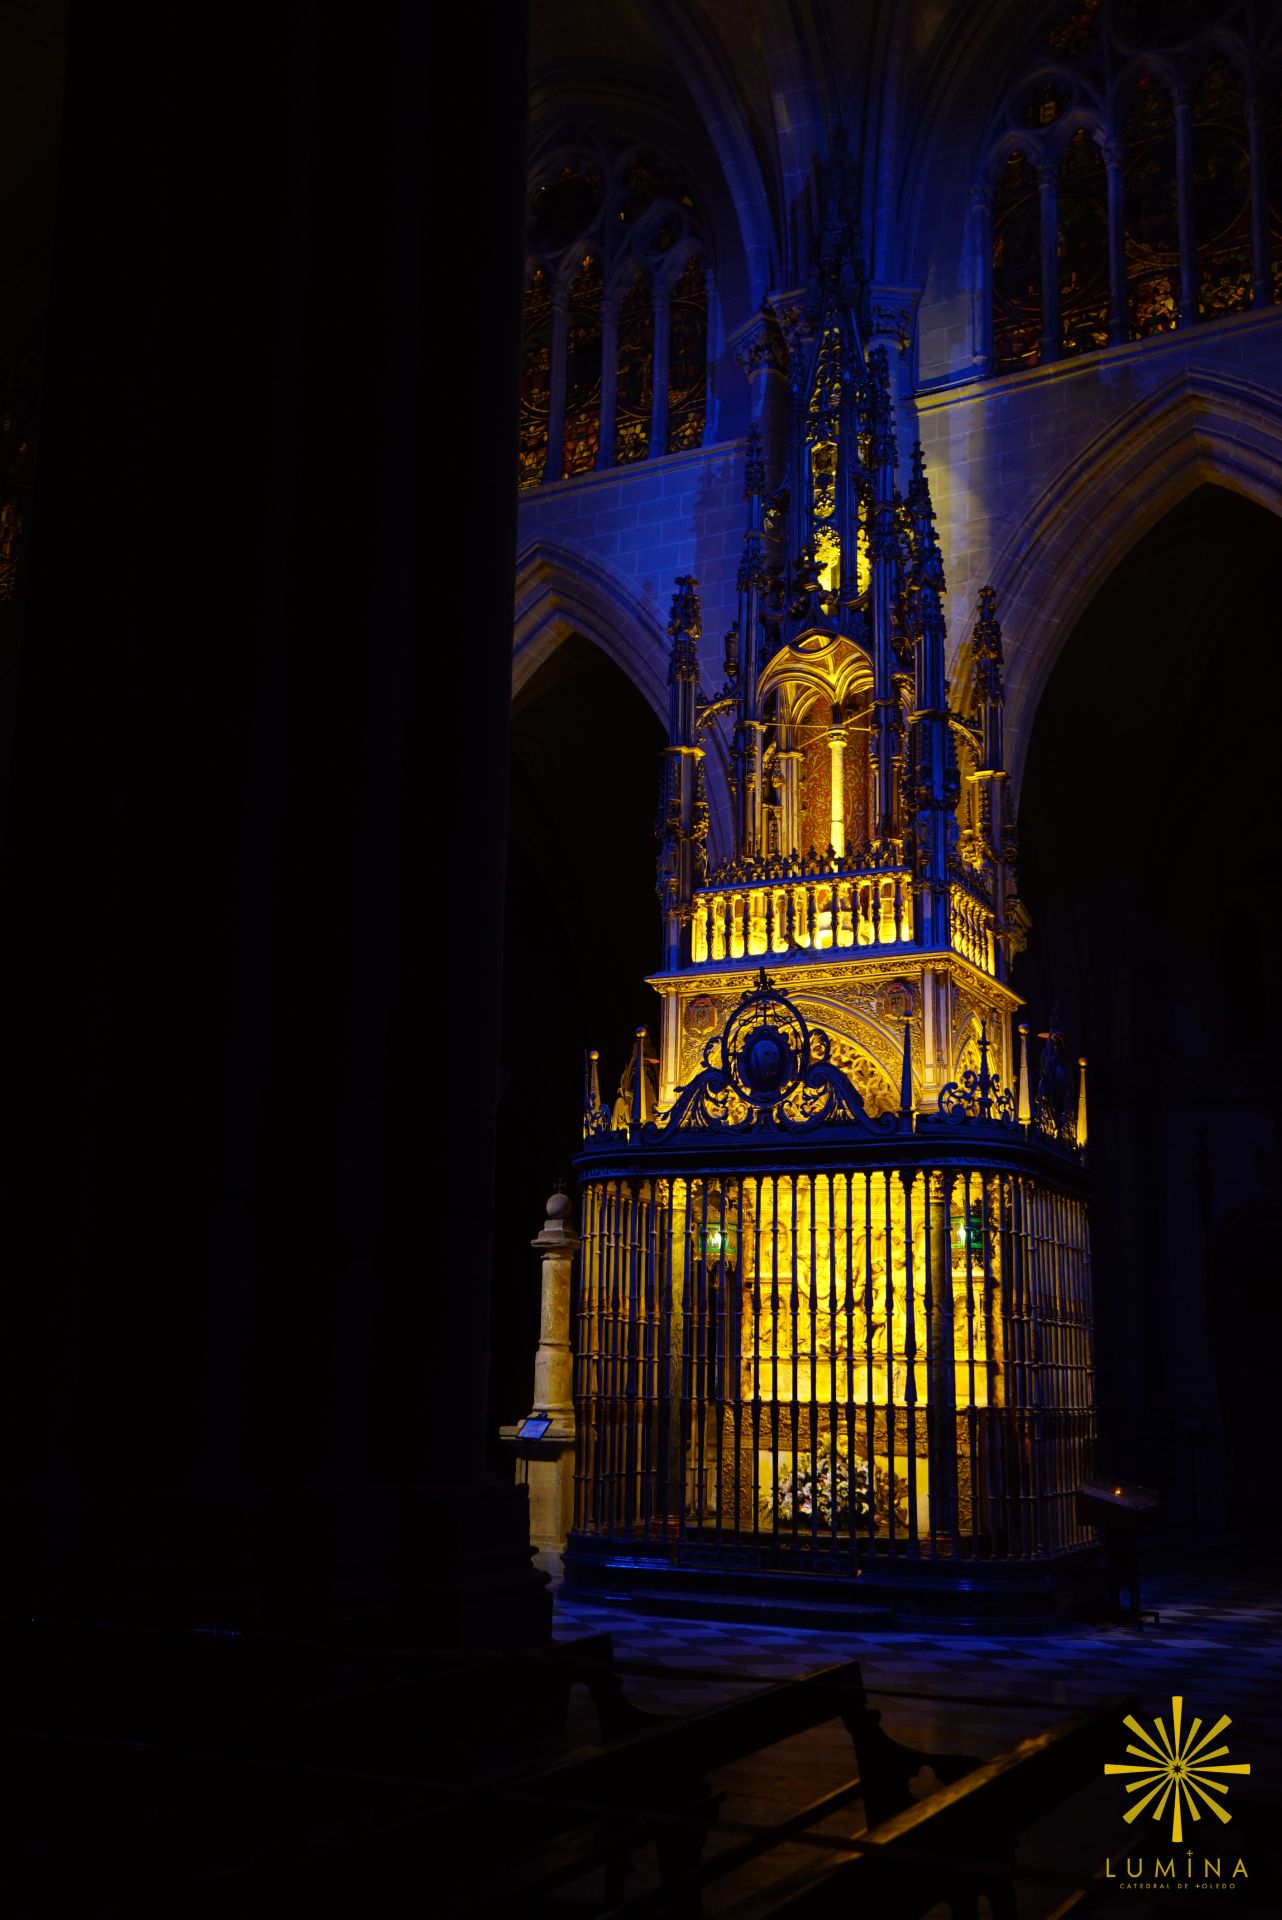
<point x="827" y="1485"/>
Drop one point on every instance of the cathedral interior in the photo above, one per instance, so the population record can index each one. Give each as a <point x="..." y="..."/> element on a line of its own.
<point x="639" y="846"/>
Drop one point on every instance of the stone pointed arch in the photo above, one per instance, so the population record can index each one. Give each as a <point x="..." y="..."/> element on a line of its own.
<point x="561" y="590"/>
<point x="1198" y="428"/>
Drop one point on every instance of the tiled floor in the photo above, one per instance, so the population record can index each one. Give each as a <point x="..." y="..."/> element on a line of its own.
<point x="1219" y="1645"/>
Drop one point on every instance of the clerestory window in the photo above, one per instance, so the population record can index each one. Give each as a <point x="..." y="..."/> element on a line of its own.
<point x="615" y="347"/>
<point x="1133" y="182"/>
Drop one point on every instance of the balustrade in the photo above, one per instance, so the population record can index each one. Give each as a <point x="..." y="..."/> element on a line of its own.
<point x="737" y="922"/>
<point x="751" y="919"/>
<point x="971" y="930"/>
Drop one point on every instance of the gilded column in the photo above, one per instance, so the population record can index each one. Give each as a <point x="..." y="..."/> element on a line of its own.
<point x="837" y="813"/>
<point x="754" y="776"/>
<point x="788" y="761"/>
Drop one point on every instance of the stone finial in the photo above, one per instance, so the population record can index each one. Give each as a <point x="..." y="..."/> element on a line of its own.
<point x="685" y="617"/>
<point x="685" y="625"/>
<point x="882" y="408"/>
<point x="837" y="258"/>
<point x="928" y="561"/>
<point x="558" y="1226"/>
<point x="986" y="636"/>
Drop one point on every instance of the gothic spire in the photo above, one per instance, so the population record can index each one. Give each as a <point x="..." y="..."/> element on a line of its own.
<point x="881" y="409"/>
<point x="928" y="561"/>
<point x="837" y="251"/>
<point x="685" y="625"/>
<point x="986" y="643"/>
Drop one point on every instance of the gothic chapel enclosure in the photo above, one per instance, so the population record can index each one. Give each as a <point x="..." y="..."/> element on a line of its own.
<point x="834" y="1321"/>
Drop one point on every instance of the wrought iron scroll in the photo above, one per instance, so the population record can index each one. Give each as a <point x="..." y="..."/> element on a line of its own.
<point x="978" y="1095"/>
<point x="769" y="1070"/>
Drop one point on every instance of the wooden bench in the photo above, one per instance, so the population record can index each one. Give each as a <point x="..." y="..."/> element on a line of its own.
<point x="595" y="1810"/>
<point x="300" y="1817"/>
<point x="959" y="1842"/>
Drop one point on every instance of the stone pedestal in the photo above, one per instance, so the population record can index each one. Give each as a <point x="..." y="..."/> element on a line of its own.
<point x="545" y="1454"/>
<point x="545" y="1468"/>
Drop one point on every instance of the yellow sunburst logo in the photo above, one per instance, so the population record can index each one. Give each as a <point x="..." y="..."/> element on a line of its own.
<point x="1178" y="1768"/>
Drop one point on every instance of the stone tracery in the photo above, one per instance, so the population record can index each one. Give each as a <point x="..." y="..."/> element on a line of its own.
<point x="616" y="314"/>
<point x="1125" y="189"/>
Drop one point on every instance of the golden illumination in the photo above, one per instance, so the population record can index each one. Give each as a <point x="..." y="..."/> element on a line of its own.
<point x="841" y="1347"/>
<point x="808" y="1231"/>
<point x="836" y="1292"/>
<point x="828" y="558"/>
<point x="871" y="910"/>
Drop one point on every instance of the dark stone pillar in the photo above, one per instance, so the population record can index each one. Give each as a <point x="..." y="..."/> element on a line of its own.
<point x="248" y="1146"/>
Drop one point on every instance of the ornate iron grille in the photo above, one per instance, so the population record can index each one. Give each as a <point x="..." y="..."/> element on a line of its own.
<point x="806" y="1336"/>
<point x="808" y="1365"/>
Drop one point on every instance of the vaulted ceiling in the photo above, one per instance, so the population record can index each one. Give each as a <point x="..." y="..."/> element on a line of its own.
<point x="752" y="81"/>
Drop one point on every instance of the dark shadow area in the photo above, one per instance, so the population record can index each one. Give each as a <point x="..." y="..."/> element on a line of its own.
<point x="1151" y="862"/>
<point x="581" y="929"/>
